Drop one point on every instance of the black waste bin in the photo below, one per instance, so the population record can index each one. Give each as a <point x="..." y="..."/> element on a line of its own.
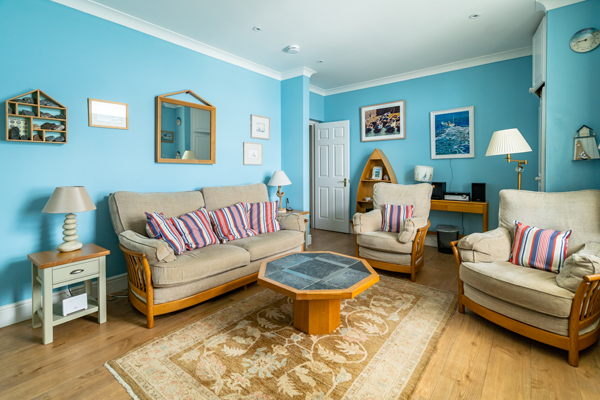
<point x="445" y="235"/>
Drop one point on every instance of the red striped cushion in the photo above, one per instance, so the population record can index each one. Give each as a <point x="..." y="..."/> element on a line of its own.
<point x="195" y="229"/>
<point x="394" y="216"/>
<point x="263" y="216"/>
<point x="544" y="249"/>
<point x="158" y="227"/>
<point x="232" y="223"/>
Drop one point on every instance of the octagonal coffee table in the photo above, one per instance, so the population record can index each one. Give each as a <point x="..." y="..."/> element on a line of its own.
<point x="317" y="281"/>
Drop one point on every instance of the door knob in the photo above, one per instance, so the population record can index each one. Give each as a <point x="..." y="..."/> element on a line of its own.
<point x="345" y="182"/>
<point x="538" y="178"/>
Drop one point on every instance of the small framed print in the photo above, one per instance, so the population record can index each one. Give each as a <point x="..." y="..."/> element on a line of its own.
<point x="376" y="173"/>
<point x="253" y="153"/>
<point x="260" y="127"/>
<point x="166" y="137"/>
<point x="108" y="114"/>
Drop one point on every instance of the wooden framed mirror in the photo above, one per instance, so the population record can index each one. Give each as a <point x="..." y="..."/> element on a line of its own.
<point x="185" y="129"/>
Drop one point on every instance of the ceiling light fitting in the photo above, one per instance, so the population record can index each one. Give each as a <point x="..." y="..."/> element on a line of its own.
<point x="257" y="29"/>
<point x="293" y="49"/>
<point x="320" y="62"/>
<point x="474" y="16"/>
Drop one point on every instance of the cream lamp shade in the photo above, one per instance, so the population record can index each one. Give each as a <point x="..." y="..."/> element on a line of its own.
<point x="189" y="155"/>
<point x="69" y="200"/>
<point x="423" y="173"/>
<point x="507" y="141"/>
<point x="280" y="179"/>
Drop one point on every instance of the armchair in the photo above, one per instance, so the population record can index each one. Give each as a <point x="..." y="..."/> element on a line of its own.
<point x="399" y="252"/>
<point x="560" y="310"/>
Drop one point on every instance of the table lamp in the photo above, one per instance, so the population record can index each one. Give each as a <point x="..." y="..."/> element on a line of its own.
<point x="423" y="173"/>
<point x="69" y="200"/>
<point x="506" y="142"/>
<point x="189" y="155"/>
<point x="280" y="179"/>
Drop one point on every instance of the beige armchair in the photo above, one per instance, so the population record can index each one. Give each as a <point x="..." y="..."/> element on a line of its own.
<point x="562" y="310"/>
<point x="399" y="252"/>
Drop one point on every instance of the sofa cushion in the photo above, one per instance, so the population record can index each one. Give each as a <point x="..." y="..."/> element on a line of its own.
<point x="198" y="264"/>
<point x="384" y="256"/>
<point x="383" y="241"/>
<point x="127" y="208"/>
<point x="196" y="229"/>
<point x="367" y="222"/>
<point x="161" y="228"/>
<point x="232" y="223"/>
<point x="268" y="244"/>
<point x="225" y="196"/>
<point x="525" y="287"/>
<point x="263" y="216"/>
<point x="394" y="216"/>
<point x="494" y="245"/>
<point x="544" y="249"/>
<point x="585" y="262"/>
<point x="155" y="249"/>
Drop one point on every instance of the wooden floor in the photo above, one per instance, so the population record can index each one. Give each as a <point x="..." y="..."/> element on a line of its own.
<point x="475" y="359"/>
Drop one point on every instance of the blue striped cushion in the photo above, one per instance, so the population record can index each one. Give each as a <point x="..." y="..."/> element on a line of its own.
<point x="394" y="216"/>
<point x="159" y="227"/>
<point x="544" y="249"/>
<point x="232" y="223"/>
<point x="195" y="229"/>
<point x="263" y="216"/>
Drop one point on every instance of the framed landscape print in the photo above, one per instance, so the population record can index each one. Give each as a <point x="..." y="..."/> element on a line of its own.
<point x="385" y="121"/>
<point x="253" y="153"/>
<point x="452" y="133"/>
<point x="166" y="137"/>
<point x="260" y="127"/>
<point x="108" y="114"/>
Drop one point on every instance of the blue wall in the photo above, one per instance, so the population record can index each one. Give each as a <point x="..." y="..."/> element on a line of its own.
<point x="499" y="92"/>
<point x="572" y="97"/>
<point x="317" y="107"/>
<point x="86" y="57"/>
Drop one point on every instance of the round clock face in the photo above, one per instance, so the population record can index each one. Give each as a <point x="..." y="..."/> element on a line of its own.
<point x="585" y="40"/>
<point x="178" y="120"/>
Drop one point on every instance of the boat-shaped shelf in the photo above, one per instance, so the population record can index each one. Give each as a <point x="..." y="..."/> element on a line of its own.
<point x="29" y="112"/>
<point x="365" y="186"/>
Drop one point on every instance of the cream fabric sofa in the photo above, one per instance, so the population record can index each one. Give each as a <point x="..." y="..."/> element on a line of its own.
<point x="160" y="281"/>
<point x="399" y="252"/>
<point x="526" y="300"/>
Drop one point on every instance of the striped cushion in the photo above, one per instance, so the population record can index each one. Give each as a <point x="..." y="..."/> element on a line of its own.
<point x="544" y="249"/>
<point x="232" y="223"/>
<point x="195" y="229"/>
<point x="263" y="216"/>
<point x="394" y="216"/>
<point x="159" y="227"/>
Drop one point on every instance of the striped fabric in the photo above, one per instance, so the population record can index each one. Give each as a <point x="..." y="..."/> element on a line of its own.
<point x="394" y="216"/>
<point x="195" y="229"/>
<point x="232" y="223"/>
<point x="158" y="227"/>
<point x="263" y="216"/>
<point x="544" y="249"/>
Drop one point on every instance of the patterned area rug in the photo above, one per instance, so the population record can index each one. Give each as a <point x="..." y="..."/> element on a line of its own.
<point x="250" y="350"/>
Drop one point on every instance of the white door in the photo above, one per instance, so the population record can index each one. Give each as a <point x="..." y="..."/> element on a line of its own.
<point x="200" y="131"/>
<point x="332" y="176"/>
<point x="541" y="178"/>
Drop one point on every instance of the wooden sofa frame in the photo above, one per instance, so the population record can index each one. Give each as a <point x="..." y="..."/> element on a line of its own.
<point x="416" y="260"/>
<point x="585" y="310"/>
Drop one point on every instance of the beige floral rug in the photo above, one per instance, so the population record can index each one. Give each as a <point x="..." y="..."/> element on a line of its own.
<point x="250" y="350"/>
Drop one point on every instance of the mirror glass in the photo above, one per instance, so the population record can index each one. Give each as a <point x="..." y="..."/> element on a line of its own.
<point x="186" y="132"/>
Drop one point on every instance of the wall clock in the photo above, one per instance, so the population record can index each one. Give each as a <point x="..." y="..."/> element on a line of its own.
<point x="178" y="121"/>
<point x="585" y="40"/>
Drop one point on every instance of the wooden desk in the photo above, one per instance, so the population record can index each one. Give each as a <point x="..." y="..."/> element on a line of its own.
<point x="472" y="207"/>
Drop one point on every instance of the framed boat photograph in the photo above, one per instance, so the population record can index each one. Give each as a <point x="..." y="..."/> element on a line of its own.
<point x="453" y="133"/>
<point x="108" y="114"/>
<point x="385" y="121"/>
<point x="260" y="127"/>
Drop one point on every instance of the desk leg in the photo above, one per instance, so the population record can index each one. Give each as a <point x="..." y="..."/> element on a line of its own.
<point x="36" y="298"/>
<point x="47" y="320"/>
<point x="102" y="291"/>
<point x="485" y="219"/>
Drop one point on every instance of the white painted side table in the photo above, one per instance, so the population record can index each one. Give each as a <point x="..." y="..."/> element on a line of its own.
<point x="52" y="269"/>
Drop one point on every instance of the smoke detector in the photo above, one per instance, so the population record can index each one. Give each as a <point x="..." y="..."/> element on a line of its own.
<point x="293" y="49"/>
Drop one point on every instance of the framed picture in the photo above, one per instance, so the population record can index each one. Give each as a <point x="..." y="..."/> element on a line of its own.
<point x="376" y="173"/>
<point x="452" y="133"/>
<point x="108" y="114"/>
<point x="385" y="121"/>
<point x="166" y="137"/>
<point x="253" y="153"/>
<point x="260" y="127"/>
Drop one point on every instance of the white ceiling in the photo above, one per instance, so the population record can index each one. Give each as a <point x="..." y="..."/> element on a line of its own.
<point x="359" y="40"/>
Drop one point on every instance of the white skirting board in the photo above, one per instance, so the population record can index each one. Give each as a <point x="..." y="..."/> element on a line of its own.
<point x="21" y="310"/>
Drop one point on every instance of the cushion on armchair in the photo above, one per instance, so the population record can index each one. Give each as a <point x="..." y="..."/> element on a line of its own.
<point x="367" y="222"/>
<point x="488" y="247"/>
<point x="394" y="217"/>
<point x="544" y="249"/>
<point x="411" y="225"/>
<point x="585" y="262"/>
<point x="292" y="222"/>
<point x="156" y="250"/>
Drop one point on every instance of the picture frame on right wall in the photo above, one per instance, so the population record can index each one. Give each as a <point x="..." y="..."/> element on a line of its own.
<point x="453" y="133"/>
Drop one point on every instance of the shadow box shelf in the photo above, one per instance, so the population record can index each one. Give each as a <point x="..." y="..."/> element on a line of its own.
<point x="37" y="117"/>
<point x="365" y="186"/>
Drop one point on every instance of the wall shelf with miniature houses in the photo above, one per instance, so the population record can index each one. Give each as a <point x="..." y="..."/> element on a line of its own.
<point x="35" y="117"/>
<point x="586" y="148"/>
<point x="366" y="183"/>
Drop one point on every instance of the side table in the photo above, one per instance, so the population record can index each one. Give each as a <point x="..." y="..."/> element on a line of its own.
<point x="52" y="269"/>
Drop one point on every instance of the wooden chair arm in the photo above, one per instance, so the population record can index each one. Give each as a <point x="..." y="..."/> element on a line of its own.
<point x="418" y="247"/>
<point x="591" y="278"/>
<point x="138" y="272"/>
<point x="586" y="303"/>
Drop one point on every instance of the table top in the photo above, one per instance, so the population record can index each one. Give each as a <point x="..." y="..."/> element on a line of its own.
<point x="317" y="275"/>
<point x="53" y="258"/>
<point x="301" y="212"/>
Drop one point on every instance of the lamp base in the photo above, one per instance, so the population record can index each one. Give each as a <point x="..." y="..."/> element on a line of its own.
<point x="281" y="211"/>
<point x="66" y="247"/>
<point x="70" y="235"/>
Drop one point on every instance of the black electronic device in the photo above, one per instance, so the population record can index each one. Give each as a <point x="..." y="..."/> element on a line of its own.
<point x="478" y="191"/>
<point x="456" y="196"/>
<point x="438" y="190"/>
<point x="287" y="205"/>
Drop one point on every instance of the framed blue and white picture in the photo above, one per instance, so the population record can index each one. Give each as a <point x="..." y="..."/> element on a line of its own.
<point x="453" y="133"/>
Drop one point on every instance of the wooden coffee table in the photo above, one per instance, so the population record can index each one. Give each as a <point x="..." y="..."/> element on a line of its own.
<point x="317" y="281"/>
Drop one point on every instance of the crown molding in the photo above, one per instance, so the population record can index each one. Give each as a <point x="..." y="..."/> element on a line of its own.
<point x="317" y="90"/>
<point x="547" y="5"/>
<point x="129" y="21"/>
<point x="292" y="73"/>
<point x="473" y="62"/>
